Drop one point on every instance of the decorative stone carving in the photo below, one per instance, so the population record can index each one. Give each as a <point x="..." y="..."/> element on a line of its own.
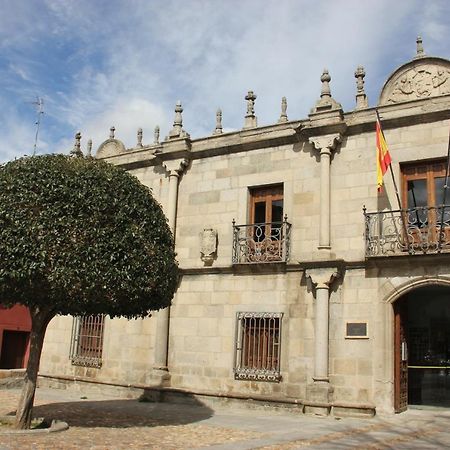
<point x="283" y="115"/>
<point x="139" y="138"/>
<point x="177" y="129"/>
<point x="326" y="143"/>
<point x="326" y="102"/>
<point x="424" y="77"/>
<point x="322" y="278"/>
<point x="251" y="120"/>
<point x="420" y="53"/>
<point x="156" y="135"/>
<point x="76" y="151"/>
<point x="176" y="167"/>
<point x="89" y="148"/>
<point x="208" y="245"/>
<point x="111" y="146"/>
<point x="218" y="129"/>
<point x="361" y="97"/>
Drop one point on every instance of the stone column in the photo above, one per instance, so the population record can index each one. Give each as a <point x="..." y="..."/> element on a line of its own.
<point x="325" y="145"/>
<point x="175" y="169"/>
<point x="320" y="391"/>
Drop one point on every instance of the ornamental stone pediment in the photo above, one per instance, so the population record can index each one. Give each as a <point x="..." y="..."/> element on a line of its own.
<point x="421" y="78"/>
<point x="110" y="147"/>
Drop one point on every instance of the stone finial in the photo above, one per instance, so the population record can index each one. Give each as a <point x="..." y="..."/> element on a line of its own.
<point x="283" y="115"/>
<point x="156" y="135"/>
<point x="361" y="97"/>
<point x="139" y="138"/>
<point x="250" y="118"/>
<point x="420" y="53"/>
<point x="177" y="129"/>
<point x="76" y="151"/>
<point x="111" y="132"/>
<point x="326" y="102"/>
<point x="325" y="92"/>
<point x="218" y="129"/>
<point x="89" y="148"/>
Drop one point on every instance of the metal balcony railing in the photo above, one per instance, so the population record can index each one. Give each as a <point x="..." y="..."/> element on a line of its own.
<point x="261" y="242"/>
<point x="421" y="230"/>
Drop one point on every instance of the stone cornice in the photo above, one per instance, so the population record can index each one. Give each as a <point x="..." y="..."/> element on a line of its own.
<point x="287" y="133"/>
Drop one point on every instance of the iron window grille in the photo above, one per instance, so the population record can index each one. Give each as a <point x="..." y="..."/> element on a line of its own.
<point x="258" y="346"/>
<point x="87" y="341"/>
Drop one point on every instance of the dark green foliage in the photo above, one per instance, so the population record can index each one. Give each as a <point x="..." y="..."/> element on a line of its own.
<point x="81" y="236"/>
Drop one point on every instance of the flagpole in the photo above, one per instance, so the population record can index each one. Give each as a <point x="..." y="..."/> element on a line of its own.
<point x="395" y="188"/>
<point x="445" y="195"/>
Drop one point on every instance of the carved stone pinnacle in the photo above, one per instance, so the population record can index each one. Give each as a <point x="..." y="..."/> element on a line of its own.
<point x="283" y="115"/>
<point x="361" y="97"/>
<point x="218" y="129"/>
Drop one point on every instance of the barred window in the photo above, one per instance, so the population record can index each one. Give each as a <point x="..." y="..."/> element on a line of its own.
<point x="87" y="341"/>
<point x="258" y="339"/>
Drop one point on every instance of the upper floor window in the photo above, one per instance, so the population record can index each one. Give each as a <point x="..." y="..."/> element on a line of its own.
<point x="423" y="193"/>
<point x="423" y="184"/>
<point x="266" y="205"/>
<point x="265" y="238"/>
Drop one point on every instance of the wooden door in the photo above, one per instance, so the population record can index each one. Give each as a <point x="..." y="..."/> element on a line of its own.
<point x="400" y="356"/>
<point x="266" y="215"/>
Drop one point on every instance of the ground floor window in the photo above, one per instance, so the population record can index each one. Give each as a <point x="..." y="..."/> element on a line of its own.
<point x="87" y="340"/>
<point x="258" y="346"/>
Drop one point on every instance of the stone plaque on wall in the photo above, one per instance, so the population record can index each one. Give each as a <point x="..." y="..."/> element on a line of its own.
<point x="356" y="330"/>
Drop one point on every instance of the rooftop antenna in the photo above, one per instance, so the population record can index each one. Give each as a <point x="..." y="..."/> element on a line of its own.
<point x="40" y="111"/>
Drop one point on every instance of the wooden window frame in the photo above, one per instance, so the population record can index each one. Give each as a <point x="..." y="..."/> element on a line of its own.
<point x="422" y="170"/>
<point x="269" y="194"/>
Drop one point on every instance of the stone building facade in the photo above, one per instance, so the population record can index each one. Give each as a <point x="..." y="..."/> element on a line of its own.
<point x="300" y="284"/>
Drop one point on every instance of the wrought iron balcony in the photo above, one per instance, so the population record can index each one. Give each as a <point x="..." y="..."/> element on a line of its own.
<point x="261" y="242"/>
<point x="421" y="230"/>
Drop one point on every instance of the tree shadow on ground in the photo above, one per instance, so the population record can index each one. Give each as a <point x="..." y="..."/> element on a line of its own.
<point x="123" y="413"/>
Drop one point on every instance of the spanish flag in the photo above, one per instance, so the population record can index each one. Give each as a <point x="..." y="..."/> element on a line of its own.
<point x="383" y="156"/>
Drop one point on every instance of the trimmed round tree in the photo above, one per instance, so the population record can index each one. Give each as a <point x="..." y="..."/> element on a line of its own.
<point x="79" y="236"/>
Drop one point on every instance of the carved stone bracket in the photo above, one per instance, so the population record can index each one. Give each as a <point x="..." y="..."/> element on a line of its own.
<point x="176" y="167"/>
<point x="326" y="143"/>
<point x="323" y="278"/>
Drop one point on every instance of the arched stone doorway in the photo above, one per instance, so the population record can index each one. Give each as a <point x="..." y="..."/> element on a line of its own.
<point x="422" y="347"/>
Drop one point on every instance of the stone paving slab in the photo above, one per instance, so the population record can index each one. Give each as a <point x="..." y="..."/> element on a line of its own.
<point x="99" y="422"/>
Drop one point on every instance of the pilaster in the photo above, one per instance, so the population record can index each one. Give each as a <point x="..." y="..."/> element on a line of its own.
<point x="160" y="374"/>
<point x="325" y="145"/>
<point x="319" y="393"/>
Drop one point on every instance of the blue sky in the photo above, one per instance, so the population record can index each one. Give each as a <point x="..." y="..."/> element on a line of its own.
<point x="125" y="63"/>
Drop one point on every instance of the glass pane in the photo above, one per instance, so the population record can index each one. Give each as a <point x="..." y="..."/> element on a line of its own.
<point x="439" y="191"/>
<point x="439" y="196"/>
<point x="417" y="193"/>
<point x="418" y="201"/>
<point x="277" y="210"/>
<point x="260" y="212"/>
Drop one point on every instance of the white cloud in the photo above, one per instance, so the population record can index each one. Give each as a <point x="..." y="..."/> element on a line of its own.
<point x="126" y="63"/>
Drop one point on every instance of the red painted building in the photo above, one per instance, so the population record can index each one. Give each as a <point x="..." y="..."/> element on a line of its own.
<point x="15" y="327"/>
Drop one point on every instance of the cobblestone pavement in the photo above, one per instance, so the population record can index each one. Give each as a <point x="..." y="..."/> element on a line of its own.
<point x="99" y="422"/>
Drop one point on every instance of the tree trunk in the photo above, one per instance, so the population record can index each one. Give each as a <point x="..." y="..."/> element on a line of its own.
<point x="39" y="321"/>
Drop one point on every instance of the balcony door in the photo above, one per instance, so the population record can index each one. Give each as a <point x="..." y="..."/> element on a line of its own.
<point x="266" y="216"/>
<point x="423" y="195"/>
